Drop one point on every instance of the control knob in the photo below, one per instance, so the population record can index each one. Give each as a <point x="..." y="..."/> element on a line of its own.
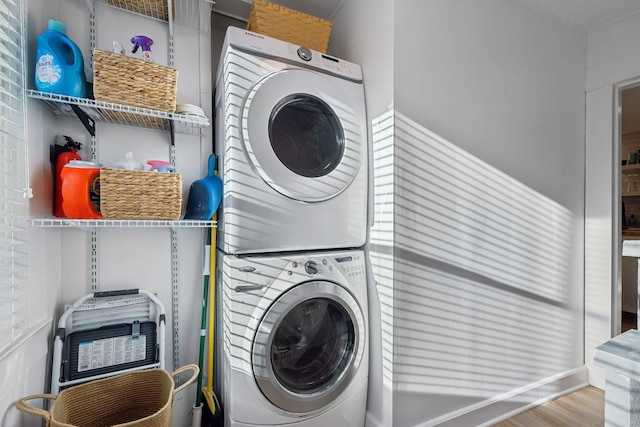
<point x="304" y="53"/>
<point x="311" y="267"/>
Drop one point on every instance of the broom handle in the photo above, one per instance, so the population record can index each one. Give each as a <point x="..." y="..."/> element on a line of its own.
<point x="212" y="307"/>
<point x="203" y="318"/>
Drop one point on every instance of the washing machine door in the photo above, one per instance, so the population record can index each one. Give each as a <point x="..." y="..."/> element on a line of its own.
<point x="308" y="346"/>
<point x="303" y="133"/>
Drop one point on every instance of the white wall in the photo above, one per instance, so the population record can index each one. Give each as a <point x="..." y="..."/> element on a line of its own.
<point x="486" y="206"/>
<point x="362" y="32"/>
<point x="502" y="87"/>
<point x="127" y="257"/>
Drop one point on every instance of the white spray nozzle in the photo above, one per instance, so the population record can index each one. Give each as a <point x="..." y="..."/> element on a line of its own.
<point x="117" y="47"/>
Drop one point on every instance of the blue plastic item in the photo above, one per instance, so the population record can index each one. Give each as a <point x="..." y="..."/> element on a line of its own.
<point x="59" y="63"/>
<point x="205" y="195"/>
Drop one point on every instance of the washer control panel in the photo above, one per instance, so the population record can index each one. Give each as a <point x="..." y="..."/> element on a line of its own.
<point x="351" y="264"/>
<point x="311" y="267"/>
<point x="255" y="275"/>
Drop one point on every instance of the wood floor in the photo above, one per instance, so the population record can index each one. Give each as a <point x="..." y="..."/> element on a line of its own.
<point x="583" y="408"/>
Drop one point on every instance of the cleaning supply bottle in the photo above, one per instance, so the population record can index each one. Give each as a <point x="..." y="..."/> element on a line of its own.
<point x="81" y="189"/>
<point x="161" y="166"/>
<point x="59" y="63"/>
<point x="71" y="153"/>
<point x="128" y="163"/>
<point x="145" y="43"/>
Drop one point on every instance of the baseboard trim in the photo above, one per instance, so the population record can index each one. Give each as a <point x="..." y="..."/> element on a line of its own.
<point x="506" y="406"/>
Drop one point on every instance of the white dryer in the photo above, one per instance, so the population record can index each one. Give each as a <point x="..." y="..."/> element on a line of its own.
<point x="294" y="339"/>
<point x="291" y="139"/>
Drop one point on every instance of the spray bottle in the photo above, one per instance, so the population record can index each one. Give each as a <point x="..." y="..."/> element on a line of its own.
<point x="145" y="43"/>
<point x="161" y="166"/>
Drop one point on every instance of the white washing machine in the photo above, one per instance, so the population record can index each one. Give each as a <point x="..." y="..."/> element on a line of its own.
<point x="294" y="339"/>
<point x="291" y="139"/>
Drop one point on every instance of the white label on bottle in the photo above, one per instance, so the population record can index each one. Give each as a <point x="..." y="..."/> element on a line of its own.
<point x="48" y="71"/>
<point x="111" y="351"/>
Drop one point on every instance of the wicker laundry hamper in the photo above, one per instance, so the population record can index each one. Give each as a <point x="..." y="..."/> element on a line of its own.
<point x="289" y="25"/>
<point x="133" y="399"/>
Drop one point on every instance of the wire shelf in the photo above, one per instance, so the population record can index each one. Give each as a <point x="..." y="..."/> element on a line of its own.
<point x="190" y="13"/>
<point x="156" y="9"/>
<point x="121" y="114"/>
<point x="112" y="223"/>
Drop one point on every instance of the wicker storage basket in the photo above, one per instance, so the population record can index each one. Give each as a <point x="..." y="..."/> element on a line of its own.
<point x="121" y="79"/>
<point x="131" y="194"/>
<point x="289" y="25"/>
<point x="132" y="399"/>
<point x="155" y="8"/>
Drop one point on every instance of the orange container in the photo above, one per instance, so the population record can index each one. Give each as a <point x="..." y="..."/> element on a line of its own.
<point x="81" y="190"/>
<point x="62" y="160"/>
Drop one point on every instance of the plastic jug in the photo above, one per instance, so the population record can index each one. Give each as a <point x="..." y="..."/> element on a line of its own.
<point x="59" y="63"/>
<point x="128" y="163"/>
<point x="81" y="190"/>
<point x="61" y="161"/>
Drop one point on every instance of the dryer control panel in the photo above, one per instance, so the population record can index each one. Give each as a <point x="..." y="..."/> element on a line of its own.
<point x="287" y="52"/>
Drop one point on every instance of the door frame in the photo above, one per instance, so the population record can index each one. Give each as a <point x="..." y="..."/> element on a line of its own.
<point x="602" y="234"/>
<point x="616" y="303"/>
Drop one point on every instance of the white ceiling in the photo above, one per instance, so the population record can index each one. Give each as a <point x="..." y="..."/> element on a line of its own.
<point x="586" y="14"/>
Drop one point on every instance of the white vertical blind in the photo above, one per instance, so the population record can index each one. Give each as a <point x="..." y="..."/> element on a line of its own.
<point x="13" y="175"/>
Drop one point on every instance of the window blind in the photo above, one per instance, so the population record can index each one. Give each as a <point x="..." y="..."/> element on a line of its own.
<point x="14" y="208"/>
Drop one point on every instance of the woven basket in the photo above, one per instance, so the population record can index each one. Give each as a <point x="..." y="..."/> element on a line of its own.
<point x="130" y="194"/>
<point x="121" y="79"/>
<point x="154" y="8"/>
<point x="289" y="25"/>
<point x="132" y="399"/>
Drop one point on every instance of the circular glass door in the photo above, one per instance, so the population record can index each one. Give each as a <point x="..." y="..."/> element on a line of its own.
<point x="301" y="134"/>
<point x="306" y="135"/>
<point x="308" y="346"/>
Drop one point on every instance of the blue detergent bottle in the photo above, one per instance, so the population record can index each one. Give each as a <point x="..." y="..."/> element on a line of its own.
<point x="59" y="63"/>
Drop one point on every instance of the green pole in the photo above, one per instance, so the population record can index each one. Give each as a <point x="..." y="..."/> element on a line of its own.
<point x="203" y="323"/>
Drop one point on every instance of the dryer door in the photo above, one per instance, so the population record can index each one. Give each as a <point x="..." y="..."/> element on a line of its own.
<point x="308" y="346"/>
<point x="302" y="134"/>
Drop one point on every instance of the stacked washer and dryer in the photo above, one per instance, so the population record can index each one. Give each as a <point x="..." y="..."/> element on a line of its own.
<point x="292" y="317"/>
